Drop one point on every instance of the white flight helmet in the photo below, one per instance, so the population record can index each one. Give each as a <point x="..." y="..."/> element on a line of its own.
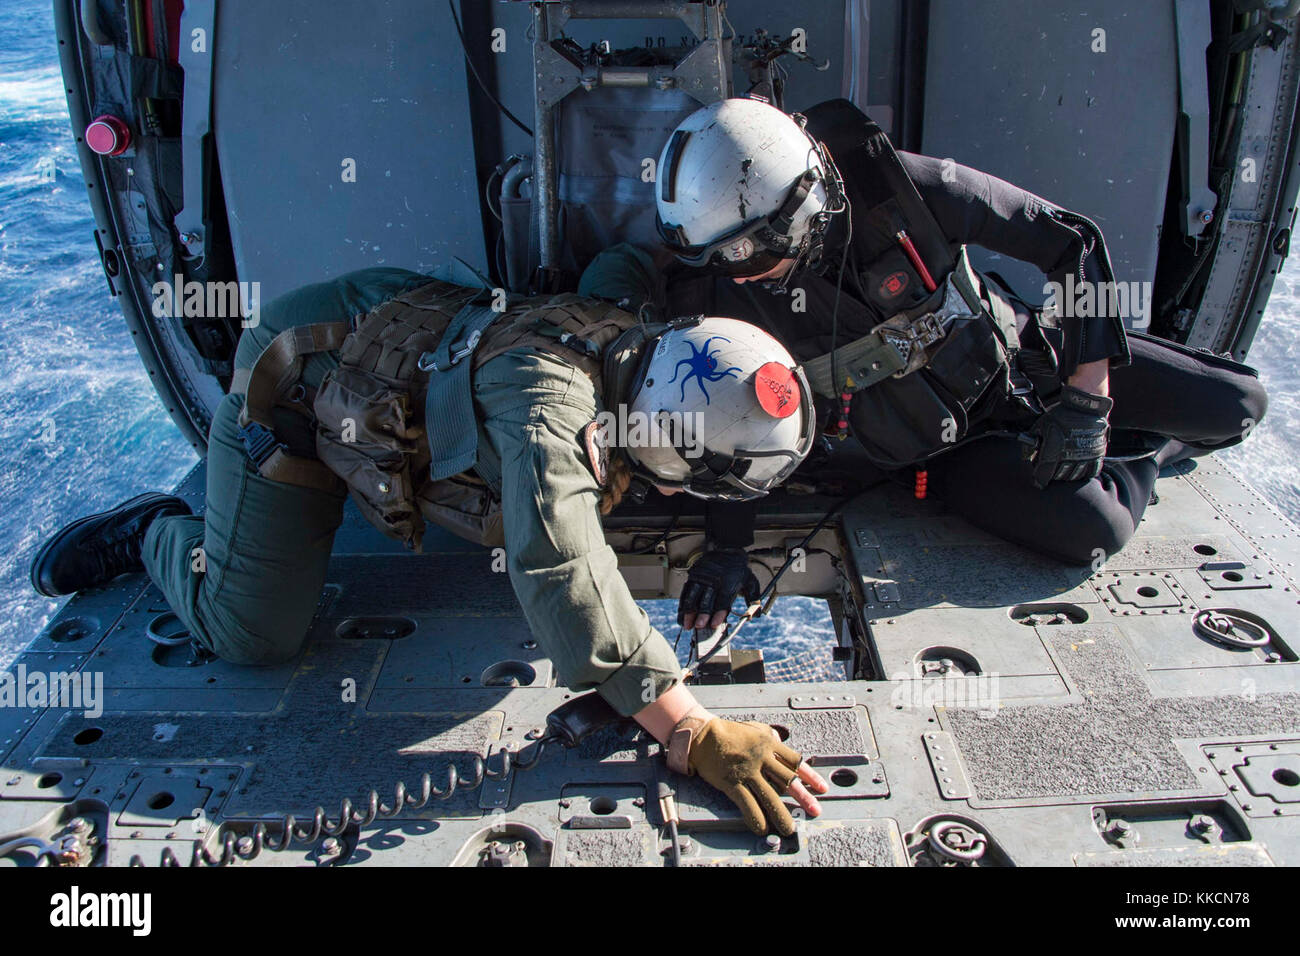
<point x="732" y="413"/>
<point x="742" y="185"/>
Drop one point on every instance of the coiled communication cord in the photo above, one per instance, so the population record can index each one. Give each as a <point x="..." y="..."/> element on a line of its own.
<point x="249" y="847"/>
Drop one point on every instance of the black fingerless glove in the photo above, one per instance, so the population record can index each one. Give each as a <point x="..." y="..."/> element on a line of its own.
<point x="1070" y="438"/>
<point x="714" y="582"/>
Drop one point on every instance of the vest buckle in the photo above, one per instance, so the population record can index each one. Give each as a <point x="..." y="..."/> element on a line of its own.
<point x="259" y="443"/>
<point x="428" y="361"/>
<point x="927" y="329"/>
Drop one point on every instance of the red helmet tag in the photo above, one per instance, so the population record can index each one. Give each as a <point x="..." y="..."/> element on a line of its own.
<point x="777" y="391"/>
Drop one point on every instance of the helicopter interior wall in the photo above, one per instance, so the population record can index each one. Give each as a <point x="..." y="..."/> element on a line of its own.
<point x="1066" y="105"/>
<point x="822" y="20"/>
<point x="298" y="96"/>
<point x="1015" y="88"/>
<point x="350" y="85"/>
<point x="606" y="134"/>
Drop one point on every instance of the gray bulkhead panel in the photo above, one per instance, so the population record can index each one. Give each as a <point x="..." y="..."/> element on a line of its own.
<point x="1014" y="88"/>
<point x="297" y="93"/>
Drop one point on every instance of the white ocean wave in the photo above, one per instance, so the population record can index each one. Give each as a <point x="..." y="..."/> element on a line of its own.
<point x="1269" y="458"/>
<point x="34" y="98"/>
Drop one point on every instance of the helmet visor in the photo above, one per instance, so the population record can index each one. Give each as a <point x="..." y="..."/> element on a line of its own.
<point x="742" y="252"/>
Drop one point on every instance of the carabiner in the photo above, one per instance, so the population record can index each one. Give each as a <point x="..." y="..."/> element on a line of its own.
<point x="428" y="361"/>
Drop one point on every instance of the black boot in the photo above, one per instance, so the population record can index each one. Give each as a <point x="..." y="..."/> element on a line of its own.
<point x="95" y="549"/>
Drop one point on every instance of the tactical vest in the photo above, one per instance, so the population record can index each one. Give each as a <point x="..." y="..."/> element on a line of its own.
<point x="917" y="378"/>
<point x="370" y="410"/>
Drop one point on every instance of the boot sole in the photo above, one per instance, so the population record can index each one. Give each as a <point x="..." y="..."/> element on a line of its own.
<point x="38" y="562"/>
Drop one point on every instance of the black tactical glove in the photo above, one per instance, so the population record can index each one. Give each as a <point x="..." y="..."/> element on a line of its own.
<point x="1070" y="438"/>
<point x="714" y="582"/>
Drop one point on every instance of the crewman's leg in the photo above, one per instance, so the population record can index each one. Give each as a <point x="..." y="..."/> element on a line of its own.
<point x="988" y="483"/>
<point x="246" y="577"/>
<point x="1201" y="400"/>
<point x="245" y="581"/>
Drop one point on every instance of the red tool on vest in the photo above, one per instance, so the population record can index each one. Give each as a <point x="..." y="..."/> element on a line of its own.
<point x="915" y="258"/>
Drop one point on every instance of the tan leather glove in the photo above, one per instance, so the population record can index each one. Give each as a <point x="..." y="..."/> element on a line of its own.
<point x="746" y="761"/>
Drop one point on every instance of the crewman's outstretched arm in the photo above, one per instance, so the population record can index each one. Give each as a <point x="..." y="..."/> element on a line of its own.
<point x="566" y="577"/>
<point x="976" y="208"/>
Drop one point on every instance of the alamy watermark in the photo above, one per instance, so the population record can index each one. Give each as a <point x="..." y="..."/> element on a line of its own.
<point x="978" y="692"/>
<point x="628" y="428"/>
<point x="1085" y="299"/>
<point x="76" y="908"/>
<point x="75" y="691"/>
<point x="212" y="300"/>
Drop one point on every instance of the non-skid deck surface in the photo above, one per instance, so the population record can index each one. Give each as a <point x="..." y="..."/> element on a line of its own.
<point x="1117" y="710"/>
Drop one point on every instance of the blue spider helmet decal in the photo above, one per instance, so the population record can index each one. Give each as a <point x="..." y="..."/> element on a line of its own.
<point x="702" y="366"/>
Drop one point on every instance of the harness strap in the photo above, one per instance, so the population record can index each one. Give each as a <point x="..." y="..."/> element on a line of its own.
<point x="884" y="198"/>
<point x="866" y="360"/>
<point x="449" y="405"/>
<point x="979" y="297"/>
<point x="279" y="366"/>
<point x="899" y="345"/>
<point x="265" y="386"/>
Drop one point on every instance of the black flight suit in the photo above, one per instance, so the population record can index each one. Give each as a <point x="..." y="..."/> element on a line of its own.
<point x="1199" y="400"/>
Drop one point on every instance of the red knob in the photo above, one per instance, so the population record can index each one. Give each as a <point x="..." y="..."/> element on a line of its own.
<point x="108" y="135"/>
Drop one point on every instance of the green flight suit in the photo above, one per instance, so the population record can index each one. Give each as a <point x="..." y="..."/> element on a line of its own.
<point x="264" y="547"/>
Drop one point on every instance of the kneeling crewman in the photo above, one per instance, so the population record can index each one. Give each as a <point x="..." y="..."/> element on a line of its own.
<point x="514" y="397"/>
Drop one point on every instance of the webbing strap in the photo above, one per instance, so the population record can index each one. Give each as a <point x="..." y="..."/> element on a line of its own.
<point x="274" y="373"/>
<point x="279" y="366"/>
<point x="449" y="419"/>
<point x="968" y="284"/>
<point x="886" y="351"/>
<point x="867" y="360"/>
<point x="303" y="472"/>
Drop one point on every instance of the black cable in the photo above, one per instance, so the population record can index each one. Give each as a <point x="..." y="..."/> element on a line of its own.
<point x="770" y="590"/>
<point x="498" y="258"/>
<point x="487" y="193"/>
<point x="451" y="5"/>
<point x="662" y="539"/>
<point x="677" y="847"/>
<point x="835" y="312"/>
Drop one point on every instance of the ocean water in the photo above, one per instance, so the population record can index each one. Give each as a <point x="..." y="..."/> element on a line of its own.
<point x="81" y="427"/>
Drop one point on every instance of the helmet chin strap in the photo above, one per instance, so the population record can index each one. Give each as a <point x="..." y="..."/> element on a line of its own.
<point x="810" y="250"/>
<point x="781" y="284"/>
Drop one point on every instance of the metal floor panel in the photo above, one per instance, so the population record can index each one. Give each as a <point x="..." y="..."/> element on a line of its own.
<point x="1078" y="721"/>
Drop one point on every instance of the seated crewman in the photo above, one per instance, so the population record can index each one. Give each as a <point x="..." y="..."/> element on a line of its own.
<point x="1009" y="409"/>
